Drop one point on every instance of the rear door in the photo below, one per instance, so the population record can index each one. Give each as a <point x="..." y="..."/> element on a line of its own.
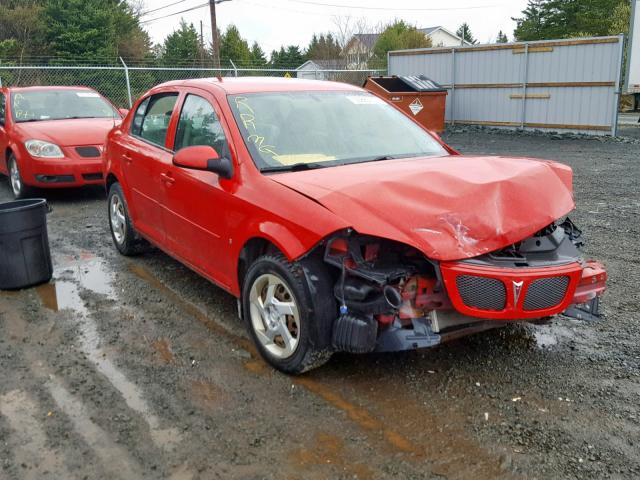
<point x="196" y="204"/>
<point x="145" y="160"/>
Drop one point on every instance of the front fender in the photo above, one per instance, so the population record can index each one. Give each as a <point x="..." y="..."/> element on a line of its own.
<point x="293" y="244"/>
<point x="19" y="151"/>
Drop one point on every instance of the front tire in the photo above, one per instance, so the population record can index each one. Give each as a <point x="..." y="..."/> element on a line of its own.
<point x="124" y="236"/>
<point x="287" y="324"/>
<point x="19" y="189"/>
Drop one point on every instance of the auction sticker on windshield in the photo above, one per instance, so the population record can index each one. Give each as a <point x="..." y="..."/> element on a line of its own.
<point x="365" y="100"/>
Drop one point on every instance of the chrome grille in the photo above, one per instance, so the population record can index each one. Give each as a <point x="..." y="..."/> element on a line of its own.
<point x="545" y="293"/>
<point x="481" y="292"/>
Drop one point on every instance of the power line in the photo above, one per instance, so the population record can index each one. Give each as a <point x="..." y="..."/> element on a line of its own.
<point x="146" y="12"/>
<point x="176" y="13"/>
<point x="391" y="9"/>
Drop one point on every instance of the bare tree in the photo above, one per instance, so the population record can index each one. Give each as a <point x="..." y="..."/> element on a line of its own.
<point x="137" y="7"/>
<point x="357" y="50"/>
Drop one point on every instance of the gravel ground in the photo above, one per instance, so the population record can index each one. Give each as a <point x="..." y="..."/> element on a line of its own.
<point x="138" y="368"/>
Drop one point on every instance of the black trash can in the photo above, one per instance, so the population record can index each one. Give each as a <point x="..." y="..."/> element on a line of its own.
<point x="25" y="258"/>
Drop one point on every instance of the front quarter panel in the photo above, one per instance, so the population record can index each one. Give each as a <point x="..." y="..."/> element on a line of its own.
<point x="270" y="211"/>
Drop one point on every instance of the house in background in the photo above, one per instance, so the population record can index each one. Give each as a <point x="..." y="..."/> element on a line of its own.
<point x="360" y="48"/>
<point x="441" y="37"/>
<point x="320" y="69"/>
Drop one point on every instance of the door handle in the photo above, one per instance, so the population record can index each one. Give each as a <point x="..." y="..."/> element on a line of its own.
<point x="167" y="178"/>
<point x="127" y="157"/>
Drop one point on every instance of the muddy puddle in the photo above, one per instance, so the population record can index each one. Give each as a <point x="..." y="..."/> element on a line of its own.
<point x="84" y="271"/>
<point x="85" y="275"/>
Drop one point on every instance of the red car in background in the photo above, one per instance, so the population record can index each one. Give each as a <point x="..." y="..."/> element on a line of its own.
<point x="53" y="137"/>
<point x="338" y="221"/>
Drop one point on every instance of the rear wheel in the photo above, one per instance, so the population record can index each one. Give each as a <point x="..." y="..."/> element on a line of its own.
<point x="124" y="236"/>
<point x="19" y="189"/>
<point x="282" y="317"/>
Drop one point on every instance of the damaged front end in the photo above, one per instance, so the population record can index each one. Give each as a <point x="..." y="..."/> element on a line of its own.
<point x="393" y="298"/>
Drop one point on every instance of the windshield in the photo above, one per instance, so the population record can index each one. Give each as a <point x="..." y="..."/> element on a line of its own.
<point x="32" y="106"/>
<point x="301" y="130"/>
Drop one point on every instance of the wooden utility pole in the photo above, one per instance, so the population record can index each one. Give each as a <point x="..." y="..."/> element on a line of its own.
<point x="201" y="45"/>
<point x="215" y="45"/>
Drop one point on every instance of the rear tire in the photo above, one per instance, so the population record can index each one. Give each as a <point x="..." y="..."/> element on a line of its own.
<point x="124" y="236"/>
<point x="288" y="324"/>
<point x="19" y="189"/>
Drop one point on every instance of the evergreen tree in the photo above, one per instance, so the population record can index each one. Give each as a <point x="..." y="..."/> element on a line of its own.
<point x="233" y="47"/>
<point x="291" y="57"/>
<point x="531" y="25"/>
<point x="464" y="32"/>
<point x="89" y="30"/>
<point x="324" y="47"/>
<point x="502" y="38"/>
<point x="258" y="57"/>
<point x="79" y="28"/>
<point x="182" y="46"/>
<point x="548" y="19"/>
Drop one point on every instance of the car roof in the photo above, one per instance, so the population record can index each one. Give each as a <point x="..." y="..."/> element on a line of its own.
<point x="47" y="87"/>
<point x="261" y="84"/>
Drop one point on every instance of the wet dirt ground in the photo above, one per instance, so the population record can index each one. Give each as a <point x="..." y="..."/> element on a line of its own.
<point x="138" y="368"/>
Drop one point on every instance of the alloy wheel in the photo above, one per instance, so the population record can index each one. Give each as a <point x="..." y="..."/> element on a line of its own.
<point x="274" y="315"/>
<point x="118" y="219"/>
<point x="16" y="181"/>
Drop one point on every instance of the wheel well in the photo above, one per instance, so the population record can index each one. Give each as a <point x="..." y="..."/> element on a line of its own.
<point x="7" y="152"/>
<point x="254" y="248"/>
<point x="111" y="179"/>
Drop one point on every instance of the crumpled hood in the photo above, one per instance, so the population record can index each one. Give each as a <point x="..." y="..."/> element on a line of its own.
<point x="71" y="132"/>
<point x="449" y="208"/>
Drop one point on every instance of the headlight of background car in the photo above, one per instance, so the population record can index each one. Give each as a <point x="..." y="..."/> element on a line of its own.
<point x="40" y="148"/>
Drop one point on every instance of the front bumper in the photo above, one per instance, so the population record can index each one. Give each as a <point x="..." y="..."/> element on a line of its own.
<point x="521" y="293"/>
<point x="71" y="171"/>
<point x="580" y="299"/>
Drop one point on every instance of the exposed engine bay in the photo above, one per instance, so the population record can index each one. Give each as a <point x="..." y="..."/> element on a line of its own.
<point x="392" y="297"/>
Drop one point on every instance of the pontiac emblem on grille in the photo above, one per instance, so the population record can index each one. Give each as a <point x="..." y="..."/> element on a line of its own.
<point x="517" y="289"/>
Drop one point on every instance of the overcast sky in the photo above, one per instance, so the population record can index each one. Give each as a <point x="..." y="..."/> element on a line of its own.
<point x="273" y="23"/>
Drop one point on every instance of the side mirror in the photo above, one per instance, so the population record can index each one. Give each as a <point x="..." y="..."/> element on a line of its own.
<point x="123" y="111"/>
<point x="203" y="157"/>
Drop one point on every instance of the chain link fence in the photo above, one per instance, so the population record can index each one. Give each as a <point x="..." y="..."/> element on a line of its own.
<point x="122" y="84"/>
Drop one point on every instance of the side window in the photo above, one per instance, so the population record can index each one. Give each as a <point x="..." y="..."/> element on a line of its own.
<point x="199" y="125"/>
<point x="2" y="108"/>
<point x="136" y="124"/>
<point x="155" y="122"/>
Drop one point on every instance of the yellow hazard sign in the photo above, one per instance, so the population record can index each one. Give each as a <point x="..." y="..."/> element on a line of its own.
<point x="287" y="75"/>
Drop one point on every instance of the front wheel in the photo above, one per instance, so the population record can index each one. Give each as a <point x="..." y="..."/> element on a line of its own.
<point x="124" y="236"/>
<point x="282" y="317"/>
<point x="19" y="189"/>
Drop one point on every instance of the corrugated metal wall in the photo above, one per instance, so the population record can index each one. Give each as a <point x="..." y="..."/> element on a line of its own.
<point x="564" y="85"/>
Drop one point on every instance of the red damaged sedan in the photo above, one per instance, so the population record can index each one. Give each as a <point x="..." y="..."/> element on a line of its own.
<point x="340" y="223"/>
<point x="52" y="137"/>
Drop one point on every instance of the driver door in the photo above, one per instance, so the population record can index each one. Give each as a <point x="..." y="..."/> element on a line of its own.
<point x="196" y="206"/>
